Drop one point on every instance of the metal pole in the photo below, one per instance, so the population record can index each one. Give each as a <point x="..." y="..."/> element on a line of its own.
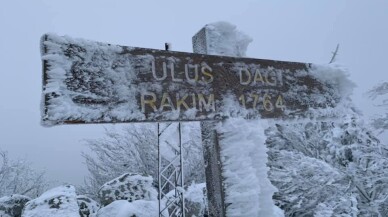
<point x="181" y="173"/>
<point x="159" y="175"/>
<point x="175" y="206"/>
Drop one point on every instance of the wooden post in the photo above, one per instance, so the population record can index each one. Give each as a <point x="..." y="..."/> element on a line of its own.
<point x="211" y="146"/>
<point x="202" y="44"/>
<point x="213" y="169"/>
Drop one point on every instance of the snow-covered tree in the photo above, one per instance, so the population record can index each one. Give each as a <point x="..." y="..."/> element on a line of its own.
<point x="321" y="168"/>
<point x="380" y="93"/>
<point x="134" y="150"/>
<point x="331" y="168"/>
<point x="17" y="177"/>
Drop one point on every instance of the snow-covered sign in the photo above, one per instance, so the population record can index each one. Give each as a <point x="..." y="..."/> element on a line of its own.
<point x="93" y="82"/>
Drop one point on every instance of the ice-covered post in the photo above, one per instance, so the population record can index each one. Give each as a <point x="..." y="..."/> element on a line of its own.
<point x="211" y="41"/>
<point x="220" y="138"/>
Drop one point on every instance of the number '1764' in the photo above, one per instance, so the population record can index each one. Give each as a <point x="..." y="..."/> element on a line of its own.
<point x="265" y="101"/>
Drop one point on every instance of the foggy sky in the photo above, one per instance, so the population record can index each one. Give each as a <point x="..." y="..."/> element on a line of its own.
<point x="302" y="31"/>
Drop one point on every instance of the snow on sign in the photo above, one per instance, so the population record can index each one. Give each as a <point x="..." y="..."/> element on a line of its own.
<point x="93" y="82"/>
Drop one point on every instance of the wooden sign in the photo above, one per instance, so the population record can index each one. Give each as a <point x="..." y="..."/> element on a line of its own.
<point x="93" y="82"/>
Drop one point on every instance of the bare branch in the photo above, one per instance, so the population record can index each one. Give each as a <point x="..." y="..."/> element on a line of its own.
<point x="334" y="55"/>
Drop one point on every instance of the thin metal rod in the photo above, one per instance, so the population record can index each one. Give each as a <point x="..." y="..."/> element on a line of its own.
<point x="168" y="180"/>
<point x="181" y="172"/>
<point x="161" y="132"/>
<point x="174" y="177"/>
<point x="177" y="171"/>
<point x="171" y="163"/>
<point x="159" y="174"/>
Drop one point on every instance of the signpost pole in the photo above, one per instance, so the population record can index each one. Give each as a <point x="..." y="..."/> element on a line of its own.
<point x="211" y="147"/>
<point x="213" y="169"/>
<point x="206" y="42"/>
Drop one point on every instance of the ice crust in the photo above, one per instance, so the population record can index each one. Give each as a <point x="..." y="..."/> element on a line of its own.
<point x="91" y="82"/>
<point x="244" y="159"/>
<point x="222" y="38"/>
<point x="100" y="83"/>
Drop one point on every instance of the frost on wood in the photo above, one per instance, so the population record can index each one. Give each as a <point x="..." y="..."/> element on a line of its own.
<point x="221" y="38"/>
<point x="244" y="158"/>
<point x="239" y="178"/>
<point x="82" y="71"/>
<point x="93" y="82"/>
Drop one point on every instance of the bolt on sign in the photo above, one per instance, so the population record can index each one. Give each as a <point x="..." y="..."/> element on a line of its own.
<point x="94" y="82"/>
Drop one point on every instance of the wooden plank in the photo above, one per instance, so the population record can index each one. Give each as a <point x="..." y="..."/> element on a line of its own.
<point x="93" y="82"/>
